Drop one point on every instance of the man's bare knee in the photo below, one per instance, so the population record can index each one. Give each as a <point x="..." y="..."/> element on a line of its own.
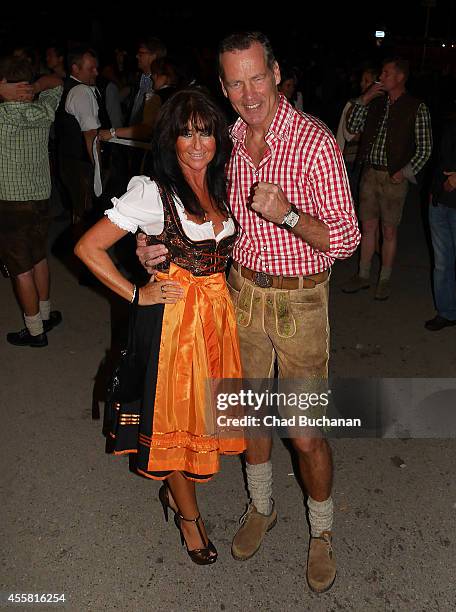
<point x="369" y="227"/>
<point x="309" y="444"/>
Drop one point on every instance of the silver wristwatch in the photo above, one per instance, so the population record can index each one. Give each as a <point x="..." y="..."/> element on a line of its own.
<point x="291" y="218"/>
<point x="112" y="131"/>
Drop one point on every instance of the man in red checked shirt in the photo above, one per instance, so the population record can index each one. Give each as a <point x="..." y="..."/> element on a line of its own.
<point x="289" y="192"/>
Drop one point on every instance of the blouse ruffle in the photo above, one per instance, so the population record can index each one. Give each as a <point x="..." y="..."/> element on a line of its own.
<point x="141" y="207"/>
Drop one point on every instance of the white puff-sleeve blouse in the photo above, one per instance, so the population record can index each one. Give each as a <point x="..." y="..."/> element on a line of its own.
<point x="141" y="207"/>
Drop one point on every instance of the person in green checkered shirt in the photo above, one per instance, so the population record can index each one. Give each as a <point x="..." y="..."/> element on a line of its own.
<point x="396" y="143"/>
<point x="25" y="187"/>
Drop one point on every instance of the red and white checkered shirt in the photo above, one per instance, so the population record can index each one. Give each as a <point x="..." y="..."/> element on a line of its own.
<point x="304" y="159"/>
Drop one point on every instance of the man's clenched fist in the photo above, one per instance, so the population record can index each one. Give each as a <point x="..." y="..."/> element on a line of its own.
<point x="270" y="202"/>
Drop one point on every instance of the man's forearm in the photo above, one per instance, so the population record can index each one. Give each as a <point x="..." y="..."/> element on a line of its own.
<point x="89" y="137"/>
<point x="313" y="231"/>
<point x="48" y="81"/>
<point x="140" y="131"/>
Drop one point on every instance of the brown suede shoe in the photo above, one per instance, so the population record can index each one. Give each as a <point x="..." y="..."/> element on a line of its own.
<point x="321" y="565"/>
<point x="250" y="535"/>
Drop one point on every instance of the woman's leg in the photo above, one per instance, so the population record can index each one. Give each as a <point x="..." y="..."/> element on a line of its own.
<point x="184" y="496"/>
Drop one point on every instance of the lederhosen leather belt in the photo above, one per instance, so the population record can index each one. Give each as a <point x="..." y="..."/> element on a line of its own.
<point x="261" y="279"/>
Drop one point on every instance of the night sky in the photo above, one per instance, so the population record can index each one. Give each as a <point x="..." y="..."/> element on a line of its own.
<point x="318" y="22"/>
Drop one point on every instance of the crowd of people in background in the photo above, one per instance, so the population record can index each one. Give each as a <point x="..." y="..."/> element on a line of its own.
<point x="115" y="94"/>
<point x="276" y="201"/>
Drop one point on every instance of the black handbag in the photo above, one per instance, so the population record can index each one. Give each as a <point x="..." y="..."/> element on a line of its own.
<point x="127" y="381"/>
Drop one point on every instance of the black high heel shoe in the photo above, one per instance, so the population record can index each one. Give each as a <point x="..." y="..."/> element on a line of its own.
<point x="201" y="556"/>
<point x="163" y="496"/>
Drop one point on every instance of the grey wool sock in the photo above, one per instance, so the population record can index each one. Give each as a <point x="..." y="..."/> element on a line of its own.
<point x="320" y="515"/>
<point x="45" y="309"/>
<point x="385" y="273"/>
<point x="364" y="270"/>
<point x="34" y="324"/>
<point x="259" y="481"/>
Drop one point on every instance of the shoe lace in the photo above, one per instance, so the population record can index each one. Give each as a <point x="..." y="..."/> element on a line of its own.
<point x="24" y="332"/>
<point x="246" y="513"/>
<point x="249" y="510"/>
<point x="325" y="537"/>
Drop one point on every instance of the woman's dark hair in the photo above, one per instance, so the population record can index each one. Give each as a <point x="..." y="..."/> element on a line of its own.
<point x="190" y="107"/>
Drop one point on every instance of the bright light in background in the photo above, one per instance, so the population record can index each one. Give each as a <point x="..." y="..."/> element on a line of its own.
<point x="379" y="34"/>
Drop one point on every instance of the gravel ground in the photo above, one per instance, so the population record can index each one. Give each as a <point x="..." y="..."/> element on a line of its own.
<point x="76" y="521"/>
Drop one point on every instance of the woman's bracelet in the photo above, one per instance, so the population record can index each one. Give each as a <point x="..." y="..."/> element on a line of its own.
<point x="135" y="289"/>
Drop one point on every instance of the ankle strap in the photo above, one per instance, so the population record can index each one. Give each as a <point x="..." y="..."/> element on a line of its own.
<point x="197" y="523"/>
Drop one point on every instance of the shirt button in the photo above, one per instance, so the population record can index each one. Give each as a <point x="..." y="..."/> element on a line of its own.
<point x="260" y="223"/>
<point x="265" y="248"/>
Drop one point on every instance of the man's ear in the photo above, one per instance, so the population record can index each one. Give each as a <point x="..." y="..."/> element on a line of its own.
<point x="225" y="93"/>
<point x="276" y="71"/>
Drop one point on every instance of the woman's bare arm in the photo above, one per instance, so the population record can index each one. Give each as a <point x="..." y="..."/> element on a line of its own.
<point x="92" y="250"/>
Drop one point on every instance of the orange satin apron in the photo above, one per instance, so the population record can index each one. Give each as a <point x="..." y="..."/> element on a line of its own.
<point x="199" y="343"/>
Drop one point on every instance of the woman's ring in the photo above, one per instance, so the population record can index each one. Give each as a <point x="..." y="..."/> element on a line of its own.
<point x="163" y="288"/>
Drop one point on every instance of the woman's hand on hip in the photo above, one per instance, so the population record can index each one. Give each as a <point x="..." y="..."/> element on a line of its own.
<point x="160" y="292"/>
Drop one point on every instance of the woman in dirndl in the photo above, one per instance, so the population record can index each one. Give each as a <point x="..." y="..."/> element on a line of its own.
<point x="184" y="319"/>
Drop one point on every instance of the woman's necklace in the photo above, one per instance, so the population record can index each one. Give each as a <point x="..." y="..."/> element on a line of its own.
<point x="205" y="215"/>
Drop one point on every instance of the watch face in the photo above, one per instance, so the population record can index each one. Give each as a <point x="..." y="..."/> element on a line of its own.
<point x="292" y="219"/>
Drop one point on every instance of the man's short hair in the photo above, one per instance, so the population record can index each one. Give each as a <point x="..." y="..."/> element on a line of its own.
<point x="402" y="65"/>
<point x="154" y="45"/>
<point x="75" y="55"/>
<point x="15" y="69"/>
<point x="240" y="41"/>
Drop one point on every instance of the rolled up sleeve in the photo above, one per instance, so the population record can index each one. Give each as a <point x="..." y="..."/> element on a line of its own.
<point x="82" y="104"/>
<point x="333" y="201"/>
<point x="423" y="139"/>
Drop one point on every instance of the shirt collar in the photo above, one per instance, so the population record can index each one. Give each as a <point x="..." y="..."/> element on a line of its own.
<point x="92" y="87"/>
<point x="280" y="125"/>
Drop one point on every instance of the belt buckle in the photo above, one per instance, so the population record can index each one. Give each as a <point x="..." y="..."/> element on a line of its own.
<point x="261" y="279"/>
